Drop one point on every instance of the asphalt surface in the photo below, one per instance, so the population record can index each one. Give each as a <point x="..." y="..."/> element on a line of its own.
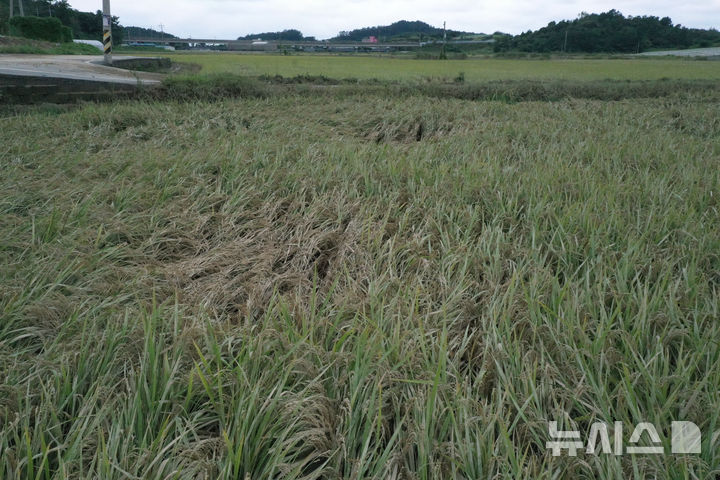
<point x="72" y="67"/>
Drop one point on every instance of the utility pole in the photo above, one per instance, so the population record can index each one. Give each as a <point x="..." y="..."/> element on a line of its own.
<point x="107" y="32"/>
<point x="443" y="55"/>
<point x="565" y="44"/>
<point x="162" y="32"/>
<point x="12" y="7"/>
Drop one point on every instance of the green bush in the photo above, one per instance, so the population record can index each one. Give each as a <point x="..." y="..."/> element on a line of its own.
<point x="36" y="28"/>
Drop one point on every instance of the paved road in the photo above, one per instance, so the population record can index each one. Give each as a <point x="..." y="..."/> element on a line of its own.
<point x="693" y="52"/>
<point x="72" y="67"/>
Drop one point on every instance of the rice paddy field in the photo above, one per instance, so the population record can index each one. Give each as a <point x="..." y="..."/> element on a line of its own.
<point x="475" y="70"/>
<point x="339" y="281"/>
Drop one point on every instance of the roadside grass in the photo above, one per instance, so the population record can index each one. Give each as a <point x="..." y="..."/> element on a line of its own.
<point x="476" y="70"/>
<point x="60" y="49"/>
<point x="356" y="286"/>
<point x="18" y="45"/>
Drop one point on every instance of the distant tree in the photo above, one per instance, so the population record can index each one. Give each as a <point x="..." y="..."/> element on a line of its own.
<point x="609" y="32"/>
<point x="84" y="25"/>
<point x="291" y="35"/>
<point x="399" y="30"/>
<point x="37" y="28"/>
<point x="4" y="17"/>
<point x="138" y="32"/>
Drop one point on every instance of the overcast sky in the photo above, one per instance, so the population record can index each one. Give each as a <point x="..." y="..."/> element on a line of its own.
<point x="225" y="19"/>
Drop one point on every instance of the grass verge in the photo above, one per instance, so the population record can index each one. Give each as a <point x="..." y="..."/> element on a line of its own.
<point x="17" y="45"/>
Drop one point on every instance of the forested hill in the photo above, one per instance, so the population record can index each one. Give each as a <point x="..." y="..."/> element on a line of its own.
<point x="140" y="32"/>
<point x="85" y="25"/>
<point x="289" y="35"/>
<point x="609" y="32"/>
<point x="397" y="30"/>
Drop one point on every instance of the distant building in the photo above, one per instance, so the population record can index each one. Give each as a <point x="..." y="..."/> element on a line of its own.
<point x="370" y="39"/>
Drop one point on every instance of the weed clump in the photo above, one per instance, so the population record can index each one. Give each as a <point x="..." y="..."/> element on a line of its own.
<point x="208" y="88"/>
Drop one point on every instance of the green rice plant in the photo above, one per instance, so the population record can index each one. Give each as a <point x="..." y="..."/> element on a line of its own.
<point x="476" y="69"/>
<point x="358" y="280"/>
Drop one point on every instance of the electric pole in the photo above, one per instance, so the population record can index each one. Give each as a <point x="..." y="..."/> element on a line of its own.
<point x="12" y="7"/>
<point x="443" y="54"/>
<point x="107" y="32"/>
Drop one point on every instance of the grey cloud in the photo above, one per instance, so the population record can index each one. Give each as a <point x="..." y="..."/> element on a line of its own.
<point x="324" y="18"/>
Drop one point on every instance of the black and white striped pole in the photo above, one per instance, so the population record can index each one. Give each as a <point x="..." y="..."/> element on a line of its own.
<point x="107" y="32"/>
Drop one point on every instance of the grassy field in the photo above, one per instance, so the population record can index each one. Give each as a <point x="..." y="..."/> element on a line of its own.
<point x="18" y="45"/>
<point x="390" y="68"/>
<point x="357" y="283"/>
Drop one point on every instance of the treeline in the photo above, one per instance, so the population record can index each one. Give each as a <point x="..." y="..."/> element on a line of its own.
<point x="396" y="31"/>
<point x="291" y="35"/>
<point x="608" y="32"/>
<point x="4" y="17"/>
<point x="140" y="32"/>
<point x="84" y="25"/>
